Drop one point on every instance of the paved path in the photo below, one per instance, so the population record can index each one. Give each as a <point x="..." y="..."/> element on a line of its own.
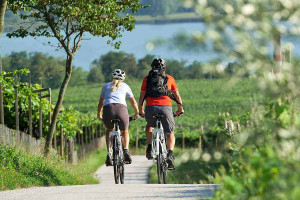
<point x="135" y="187"/>
<point x="135" y="173"/>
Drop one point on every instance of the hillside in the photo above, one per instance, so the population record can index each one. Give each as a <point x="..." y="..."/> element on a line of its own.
<point x="203" y="99"/>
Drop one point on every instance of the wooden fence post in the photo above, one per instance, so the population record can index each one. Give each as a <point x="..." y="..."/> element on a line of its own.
<point x="66" y="147"/>
<point x="92" y="132"/>
<point x="55" y="140"/>
<point x="86" y="134"/>
<point x="16" y="101"/>
<point x="49" y="91"/>
<point x="41" y="113"/>
<point x="30" y="106"/>
<point x="1" y="96"/>
<point x="71" y="151"/>
<point x="61" y="142"/>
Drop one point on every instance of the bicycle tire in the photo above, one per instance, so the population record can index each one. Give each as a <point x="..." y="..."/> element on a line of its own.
<point x="159" y="166"/>
<point x="164" y="169"/>
<point x="121" y="167"/>
<point x="121" y="173"/>
<point x="116" y="160"/>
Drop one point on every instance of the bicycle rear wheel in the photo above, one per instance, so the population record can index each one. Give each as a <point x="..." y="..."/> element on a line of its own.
<point x="116" y="160"/>
<point x="161" y="169"/>
<point x="121" y="165"/>
<point x="121" y="173"/>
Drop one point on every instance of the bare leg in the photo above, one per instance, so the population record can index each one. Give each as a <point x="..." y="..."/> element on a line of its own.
<point x="149" y="134"/>
<point x="125" y="138"/>
<point x="170" y="141"/>
<point x="107" y="138"/>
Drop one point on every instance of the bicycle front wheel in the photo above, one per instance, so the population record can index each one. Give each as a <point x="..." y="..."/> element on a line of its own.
<point x="116" y="160"/>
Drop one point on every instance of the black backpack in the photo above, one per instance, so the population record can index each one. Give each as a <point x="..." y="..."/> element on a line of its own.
<point x="157" y="85"/>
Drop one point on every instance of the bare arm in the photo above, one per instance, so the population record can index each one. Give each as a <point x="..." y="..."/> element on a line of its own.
<point x="141" y="103"/>
<point x="178" y="98"/>
<point x="134" y="105"/>
<point x="100" y="107"/>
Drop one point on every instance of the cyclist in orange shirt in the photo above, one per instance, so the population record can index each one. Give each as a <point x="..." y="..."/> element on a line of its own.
<point x="158" y="89"/>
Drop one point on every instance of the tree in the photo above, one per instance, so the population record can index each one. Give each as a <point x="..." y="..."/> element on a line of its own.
<point x="176" y="69"/>
<point x="195" y="70"/>
<point x="67" y="21"/>
<point x="114" y="60"/>
<point x="95" y="75"/>
<point x="144" y="66"/>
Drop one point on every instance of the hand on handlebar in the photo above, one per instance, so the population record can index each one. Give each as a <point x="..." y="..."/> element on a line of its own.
<point x="142" y="114"/>
<point x="135" y="117"/>
<point x="179" y="113"/>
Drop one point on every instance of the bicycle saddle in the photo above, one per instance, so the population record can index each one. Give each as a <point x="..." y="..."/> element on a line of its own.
<point x="158" y="116"/>
<point x="115" y="121"/>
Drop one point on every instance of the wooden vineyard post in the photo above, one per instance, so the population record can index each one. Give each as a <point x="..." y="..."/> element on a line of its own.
<point x="49" y="93"/>
<point x="16" y="101"/>
<point x="96" y="131"/>
<point x="92" y="132"/>
<point x="66" y="147"/>
<point x="200" y="138"/>
<point x="29" y="106"/>
<point x="61" y="142"/>
<point x="54" y="140"/>
<point x="71" y="149"/>
<point x="137" y="140"/>
<point x="1" y="96"/>
<point x="86" y="134"/>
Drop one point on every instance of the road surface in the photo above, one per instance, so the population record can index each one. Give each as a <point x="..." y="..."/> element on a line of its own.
<point x="135" y="187"/>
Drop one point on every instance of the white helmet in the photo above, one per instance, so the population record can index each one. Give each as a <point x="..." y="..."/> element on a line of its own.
<point x="118" y="74"/>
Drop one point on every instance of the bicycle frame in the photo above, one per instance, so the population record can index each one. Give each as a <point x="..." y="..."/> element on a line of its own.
<point x="158" y="139"/>
<point x="116" y="148"/>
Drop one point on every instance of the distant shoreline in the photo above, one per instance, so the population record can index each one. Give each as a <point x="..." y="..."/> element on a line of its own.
<point x="169" y="19"/>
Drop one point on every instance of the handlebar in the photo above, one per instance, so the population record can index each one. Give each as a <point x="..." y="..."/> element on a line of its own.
<point x="174" y="114"/>
<point x="131" y="118"/>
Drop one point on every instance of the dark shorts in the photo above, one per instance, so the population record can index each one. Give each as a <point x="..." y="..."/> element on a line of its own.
<point x="116" y="110"/>
<point x="168" y="122"/>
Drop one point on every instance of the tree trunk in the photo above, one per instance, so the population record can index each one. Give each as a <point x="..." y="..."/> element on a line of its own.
<point x="58" y="105"/>
<point x="3" y="4"/>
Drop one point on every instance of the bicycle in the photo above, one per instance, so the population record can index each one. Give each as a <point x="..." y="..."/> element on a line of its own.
<point x="159" y="149"/>
<point x="118" y="155"/>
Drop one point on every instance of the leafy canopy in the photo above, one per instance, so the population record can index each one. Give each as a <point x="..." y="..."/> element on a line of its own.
<point x="69" y="19"/>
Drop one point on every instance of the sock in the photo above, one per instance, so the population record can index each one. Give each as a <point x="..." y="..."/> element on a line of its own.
<point x="150" y="146"/>
<point x="170" y="152"/>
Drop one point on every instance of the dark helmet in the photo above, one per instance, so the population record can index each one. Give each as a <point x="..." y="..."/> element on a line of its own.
<point x="159" y="63"/>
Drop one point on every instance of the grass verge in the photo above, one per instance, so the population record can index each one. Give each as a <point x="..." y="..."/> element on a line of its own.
<point x="190" y="168"/>
<point x="19" y="169"/>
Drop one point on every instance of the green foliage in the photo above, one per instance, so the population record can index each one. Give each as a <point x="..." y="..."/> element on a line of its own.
<point x="115" y="60"/>
<point x="99" y="18"/>
<point x="21" y="169"/>
<point x="191" y="168"/>
<point x="42" y="66"/>
<point x="68" y="119"/>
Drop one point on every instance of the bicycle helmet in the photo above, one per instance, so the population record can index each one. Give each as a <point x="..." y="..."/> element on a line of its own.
<point x="118" y="74"/>
<point x="159" y="63"/>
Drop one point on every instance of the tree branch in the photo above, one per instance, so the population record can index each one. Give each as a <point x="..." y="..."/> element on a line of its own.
<point x="77" y="43"/>
<point x="50" y="23"/>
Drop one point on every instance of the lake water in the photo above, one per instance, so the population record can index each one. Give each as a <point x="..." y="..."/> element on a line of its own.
<point x="134" y="42"/>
